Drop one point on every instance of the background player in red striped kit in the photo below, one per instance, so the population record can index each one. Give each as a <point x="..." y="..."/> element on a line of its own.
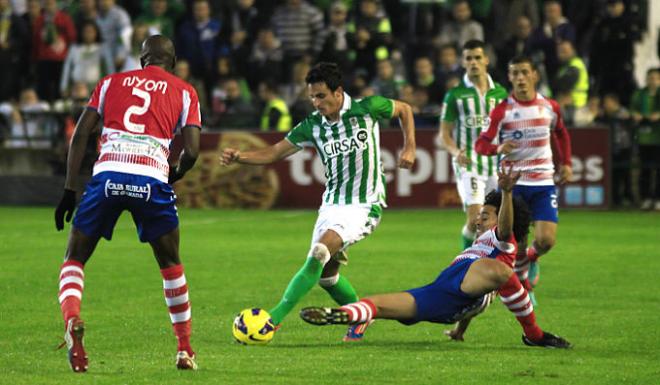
<point x="140" y="111"/>
<point x="525" y="124"/>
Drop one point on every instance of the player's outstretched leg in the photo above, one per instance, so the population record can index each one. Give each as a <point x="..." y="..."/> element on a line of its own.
<point x="549" y="340"/>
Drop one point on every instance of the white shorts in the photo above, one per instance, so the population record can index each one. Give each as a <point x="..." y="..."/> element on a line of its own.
<point x="473" y="188"/>
<point x="351" y="222"/>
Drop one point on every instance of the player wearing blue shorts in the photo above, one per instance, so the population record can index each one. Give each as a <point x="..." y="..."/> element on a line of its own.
<point x="525" y="124"/>
<point x="139" y="112"/>
<point x="467" y="286"/>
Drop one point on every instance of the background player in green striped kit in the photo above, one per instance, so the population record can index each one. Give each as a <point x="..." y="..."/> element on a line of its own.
<point x="345" y="134"/>
<point x="465" y="114"/>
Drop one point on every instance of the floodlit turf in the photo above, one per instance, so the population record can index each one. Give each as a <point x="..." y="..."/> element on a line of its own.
<point x="599" y="288"/>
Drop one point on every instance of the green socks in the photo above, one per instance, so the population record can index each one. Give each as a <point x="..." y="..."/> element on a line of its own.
<point x="300" y="284"/>
<point x="342" y="291"/>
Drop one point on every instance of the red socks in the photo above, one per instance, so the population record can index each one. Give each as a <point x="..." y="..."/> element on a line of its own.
<point x="515" y="297"/>
<point x="176" y="298"/>
<point x="71" y="288"/>
<point x="361" y="311"/>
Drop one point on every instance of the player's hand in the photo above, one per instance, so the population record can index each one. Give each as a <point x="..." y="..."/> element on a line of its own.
<point x="407" y="158"/>
<point x="454" y="334"/>
<point x="506" y="147"/>
<point x="65" y="208"/>
<point x="507" y="179"/>
<point x="174" y="175"/>
<point x="463" y="160"/>
<point x="229" y="156"/>
<point x="565" y="174"/>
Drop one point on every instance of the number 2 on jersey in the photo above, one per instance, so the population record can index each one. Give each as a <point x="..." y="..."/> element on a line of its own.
<point x="137" y="110"/>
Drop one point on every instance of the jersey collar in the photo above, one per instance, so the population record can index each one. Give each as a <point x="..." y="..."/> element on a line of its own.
<point x="469" y="84"/>
<point x="344" y="107"/>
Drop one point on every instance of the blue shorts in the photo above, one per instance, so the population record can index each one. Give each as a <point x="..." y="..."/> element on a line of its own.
<point x="541" y="200"/>
<point x="150" y="202"/>
<point x="443" y="301"/>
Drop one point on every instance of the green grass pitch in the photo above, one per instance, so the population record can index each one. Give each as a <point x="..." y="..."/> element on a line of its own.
<point x="599" y="288"/>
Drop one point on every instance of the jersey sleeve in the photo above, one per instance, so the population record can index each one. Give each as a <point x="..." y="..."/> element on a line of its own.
<point x="379" y="107"/>
<point x="190" y="111"/>
<point x="97" y="100"/>
<point x="508" y="246"/>
<point x="449" y="111"/>
<point x="484" y="145"/>
<point x="301" y="134"/>
<point x="561" y="134"/>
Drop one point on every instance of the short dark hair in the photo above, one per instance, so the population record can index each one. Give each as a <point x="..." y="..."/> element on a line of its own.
<point x="325" y="72"/>
<point x="523" y="59"/>
<point x="474" y="44"/>
<point x="521" y="214"/>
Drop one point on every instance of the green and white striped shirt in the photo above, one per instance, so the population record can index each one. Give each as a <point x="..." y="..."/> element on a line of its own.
<point x="469" y="111"/>
<point x="349" y="150"/>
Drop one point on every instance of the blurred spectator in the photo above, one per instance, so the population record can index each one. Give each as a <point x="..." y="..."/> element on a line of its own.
<point x="115" y="26"/>
<point x="376" y="22"/>
<point x="336" y="45"/>
<point x="132" y="57"/>
<point x="462" y="28"/>
<point x="424" y="77"/>
<point x="587" y="114"/>
<point x="52" y="35"/>
<point x="266" y="58"/>
<point x="33" y="13"/>
<point x="198" y="42"/>
<point x="81" y="12"/>
<point x="611" y="58"/>
<point x="87" y="61"/>
<point x="230" y="110"/>
<point x="243" y="23"/>
<point x="182" y="70"/>
<point x="505" y="13"/>
<point x="29" y="127"/>
<point x="555" y="28"/>
<point x="448" y="65"/>
<point x="518" y="44"/>
<point x="407" y="94"/>
<point x="617" y="119"/>
<point x="386" y="83"/>
<point x="428" y="112"/>
<point x="645" y="109"/>
<point x="157" y="20"/>
<point x="365" y="52"/>
<point x="14" y="45"/>
<point x="295" y="92"/>
<point x="572" y="77"/>
<point x="275" y="115"/>
<point x="299" y="26"/>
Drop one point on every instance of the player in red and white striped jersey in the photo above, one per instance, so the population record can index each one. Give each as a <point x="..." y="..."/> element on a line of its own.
<point x="139" y="111"/>
<point x="526" y="123"/>
<point x="465" y="288"/>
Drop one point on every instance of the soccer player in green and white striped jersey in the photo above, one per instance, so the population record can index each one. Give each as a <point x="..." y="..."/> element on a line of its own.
<point x="345" y="134"/>
<point x="465" y="113"/>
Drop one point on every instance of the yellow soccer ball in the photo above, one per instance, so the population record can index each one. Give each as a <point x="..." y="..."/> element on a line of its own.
<point x="253" y="327"/>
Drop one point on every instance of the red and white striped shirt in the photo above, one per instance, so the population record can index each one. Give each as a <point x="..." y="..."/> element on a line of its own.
<point x="141" y="111"/>
<point x="532" y="125"/>
<point x="488" y="246"/>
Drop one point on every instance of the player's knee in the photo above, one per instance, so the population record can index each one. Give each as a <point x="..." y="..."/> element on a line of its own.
<point x="321" y="253"/>
<point x="544" y="244"/>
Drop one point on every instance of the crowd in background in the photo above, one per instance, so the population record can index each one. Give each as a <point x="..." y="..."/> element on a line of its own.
<point x="248" y="59"/>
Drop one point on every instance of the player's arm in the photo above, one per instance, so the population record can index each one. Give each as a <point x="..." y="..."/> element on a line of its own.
<point x="86" y="125"/>
<point x="188" y="156"/>
<point x="459" y="330"/>
<point x="506" y="181"/>
<point x="448" y="118"/>
<point x="484" y="144"/>
<point x="403" y="112"/>
<point x="265" y="155"/>
<point x="564" y="147"/>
